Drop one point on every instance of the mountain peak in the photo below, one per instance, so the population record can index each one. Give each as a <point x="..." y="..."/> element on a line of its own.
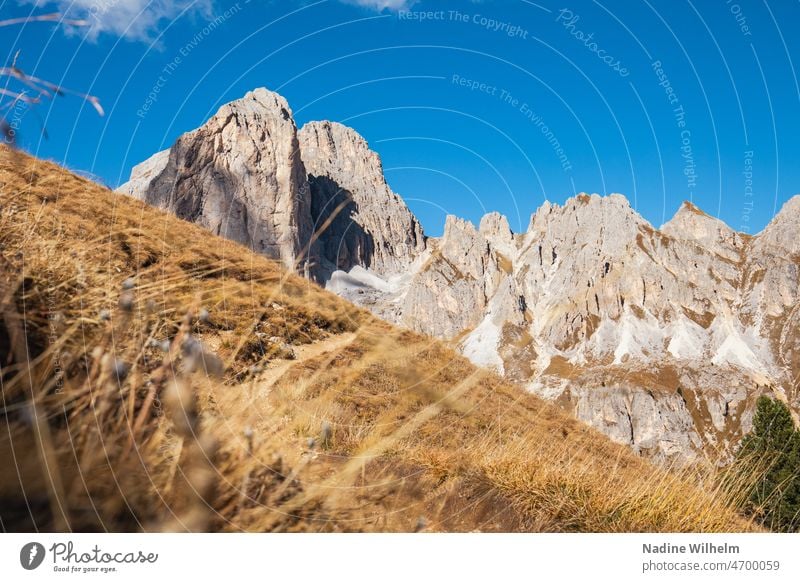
<point x="783" y="228"/>
<point x="335" y="131"/>
<point x="453" y="223"/>
<point x="494" y="223"/>
<point x="790" y="211"/>
<point x="687" y="206"/>
<point x="258" y="100"/>
<point x="593" y="200"/>
<point x="325" y="144"/>
<point x="588" y="213"/>
<point x="691" y="224"/>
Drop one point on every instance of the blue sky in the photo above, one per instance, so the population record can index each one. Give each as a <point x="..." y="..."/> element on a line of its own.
<point x="473" y="106"/>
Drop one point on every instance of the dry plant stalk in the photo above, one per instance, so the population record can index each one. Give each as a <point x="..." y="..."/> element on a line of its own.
<point x="39" y="88"/>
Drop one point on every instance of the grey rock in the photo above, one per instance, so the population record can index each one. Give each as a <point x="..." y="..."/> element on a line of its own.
<point x="143" y="174"/>
<point x="360" y="220"/>
<point x="684" y="325"/>
<point x="240" y="175"/>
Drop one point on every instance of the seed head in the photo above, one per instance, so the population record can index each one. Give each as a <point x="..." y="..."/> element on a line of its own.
<point x="126" y="301"/>
<point x="326" y="432"/>
<point x="191" y="346"/>
<point x="248" y="435"/>
<point x="120" y="370"/>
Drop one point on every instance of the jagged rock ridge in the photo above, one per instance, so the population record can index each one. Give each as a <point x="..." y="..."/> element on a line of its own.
<point x="661" y="338"/>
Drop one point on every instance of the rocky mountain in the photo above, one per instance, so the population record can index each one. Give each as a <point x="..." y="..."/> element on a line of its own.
<point x="660" y="337"/>
<point x="243" y="176"/>
<point x="361" y="221"/>
<point x="240" y="176"/>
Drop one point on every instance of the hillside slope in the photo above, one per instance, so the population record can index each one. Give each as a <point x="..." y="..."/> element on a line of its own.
<point x="156" y="377"/>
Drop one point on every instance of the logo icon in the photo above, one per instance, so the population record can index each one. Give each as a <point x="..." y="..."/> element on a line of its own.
<point x="31" y="555"/>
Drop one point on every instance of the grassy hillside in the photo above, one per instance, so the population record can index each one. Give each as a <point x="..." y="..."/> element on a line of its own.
<point x="155" y="377"/>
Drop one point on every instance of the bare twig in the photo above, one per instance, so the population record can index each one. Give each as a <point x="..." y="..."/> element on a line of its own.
<point x="53" y="17"/>
<point x="40" y="87"/>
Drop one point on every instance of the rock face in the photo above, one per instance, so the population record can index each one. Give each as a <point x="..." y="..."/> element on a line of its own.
<point x="144" y="173"/>
<point x="661" y="338"/>
<point x="243" y="176"/>
<point x="240" y="176"/>
<point x="364" y="222"/>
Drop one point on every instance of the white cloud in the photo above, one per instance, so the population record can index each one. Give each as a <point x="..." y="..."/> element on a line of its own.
<point x="133" y="19"/>
<point x="382" y="4"/>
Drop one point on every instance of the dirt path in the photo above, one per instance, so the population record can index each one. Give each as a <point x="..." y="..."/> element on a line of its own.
<point x="271" y="375"/>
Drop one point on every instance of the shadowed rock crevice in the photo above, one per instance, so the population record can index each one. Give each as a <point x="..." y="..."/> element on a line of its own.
<point x="343" y="243"/>
<point x="338" y="159"/>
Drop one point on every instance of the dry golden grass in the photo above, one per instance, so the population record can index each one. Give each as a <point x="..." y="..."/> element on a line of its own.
<point x="284" y="408"/>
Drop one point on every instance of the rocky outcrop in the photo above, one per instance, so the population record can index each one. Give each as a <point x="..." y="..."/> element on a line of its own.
<point x="362" y="221"/>
<point x="452" y="283"/>
<point x="241" y="176"/>
<point x="143" y="174"/>
<point x="661" y="338"/>
<point x="317" y="200"/>
<point x="781" y="233"/>
<point x="711" y="234"/>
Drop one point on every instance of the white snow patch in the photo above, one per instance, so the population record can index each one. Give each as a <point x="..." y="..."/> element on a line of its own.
<point x="358" y="278"/>
<point x="687" y="339"/>
<point x="630" y="336"/>
<point x="480" y="346"/>
<point x="734" y="350"/>
<point x="638" y="338"/>
<point x="742" y="348"/>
